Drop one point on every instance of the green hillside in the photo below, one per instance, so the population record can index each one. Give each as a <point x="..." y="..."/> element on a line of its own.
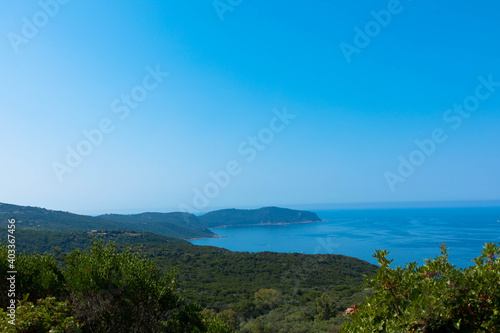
<point x="46" y="219"/>
<point x="170" y="225"/>
<point x="176" y="225"/>
<point x="150" y="283"/>
<point x="266" y="215"/>
<point x="224" y="217"/>
<point x="66" y="241"/>
<point x="294" y="292"/>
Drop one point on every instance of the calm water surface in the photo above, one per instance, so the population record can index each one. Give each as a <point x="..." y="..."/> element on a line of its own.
<point x="409" y="234"/>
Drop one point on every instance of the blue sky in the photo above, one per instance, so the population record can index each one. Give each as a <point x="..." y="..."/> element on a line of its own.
<point x="203" y="78"/>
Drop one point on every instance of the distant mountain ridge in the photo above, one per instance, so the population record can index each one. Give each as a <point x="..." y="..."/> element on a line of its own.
<point x="176" y="224"/>
<point x="41" y="218"/>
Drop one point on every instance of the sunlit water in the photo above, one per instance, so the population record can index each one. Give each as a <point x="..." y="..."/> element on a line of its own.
<point x="409" y="234"/>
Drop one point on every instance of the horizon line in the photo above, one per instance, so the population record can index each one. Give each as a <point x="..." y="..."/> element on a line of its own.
<point x="309" y="206"/>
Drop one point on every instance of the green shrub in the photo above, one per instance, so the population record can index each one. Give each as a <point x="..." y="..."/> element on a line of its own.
<point x="230" y="318"/>
<point x="434" y="297"/>
<point x="267" y="298"/>
<point x="193" y="319"/>
<point x="225" y="321"/>
<point x="325" y="307"/>
<point x="216" y="325"/>
<point x="37" y="276"/>
<point x="48" y="315"/>
<point x="4" y="283"/>
<point x="118" y="291"/>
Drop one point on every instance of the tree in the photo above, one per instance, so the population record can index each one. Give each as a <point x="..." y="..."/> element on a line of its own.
<point x="37" y="276"/>
<point x="267" y="297"/>
<point x="119" y="291"/>
<point x="47" y="315"/>
<point x="325" y="307"/>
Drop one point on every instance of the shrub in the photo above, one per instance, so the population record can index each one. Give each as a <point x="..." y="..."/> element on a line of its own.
<point x="37" y="276"/>
<point x="48" y="315"/>
<point x="267" y="298"/>
<point x="118" y="291"/>
<point x="225" y="321"/>
<point x="191" y="319"/>
<point x="434" y="297"/>
<point x="325" y="307"/>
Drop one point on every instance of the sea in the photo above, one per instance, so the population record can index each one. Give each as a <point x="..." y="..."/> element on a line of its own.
<point x="410" y="234"/>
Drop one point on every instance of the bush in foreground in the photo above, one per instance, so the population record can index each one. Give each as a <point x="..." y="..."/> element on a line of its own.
<point x="38" y="276"/>
<point x="99" y="290"/>
<point x="47" y="315"/>
<point x="434" y="297"/>
<point x="118" y="291"/>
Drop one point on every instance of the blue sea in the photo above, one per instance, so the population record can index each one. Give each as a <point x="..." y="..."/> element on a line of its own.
<point x="412" y="234"/>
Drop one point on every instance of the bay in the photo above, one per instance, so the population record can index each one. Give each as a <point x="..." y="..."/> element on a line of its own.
<point x="409" y="234"/>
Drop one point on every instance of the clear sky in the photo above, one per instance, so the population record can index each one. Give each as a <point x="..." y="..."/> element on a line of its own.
<point x="140" y="105"/>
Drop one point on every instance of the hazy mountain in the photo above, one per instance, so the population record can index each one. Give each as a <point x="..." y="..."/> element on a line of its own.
<point x="46" y="219"/>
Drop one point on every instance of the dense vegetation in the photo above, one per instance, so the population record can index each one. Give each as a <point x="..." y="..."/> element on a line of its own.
<point x="46" y="219"/>
<point x="33" y="240"/>
<point x="266" y="215"/>
<point x="81" y="280"/>
<point x="250" y="292"/>
<point x="176" y="225"/>
<point x="99" y="290"/>
<point x="434" y="297"/>
<point x="152" y="283"/>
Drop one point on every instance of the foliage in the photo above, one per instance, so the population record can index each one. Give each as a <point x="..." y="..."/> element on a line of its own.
<point x="287" y="284"/>
<point x="217" y="325"/>
<point x="266" y="215"/>
<point x="185" y="225"/>
<point x="4" y="283"/>
<point x="46" y="219"/>
<point x="122" y="286"/>
<point x="325" y="307"/>
<point x="40" y="276"/>
<point x="37" y="276"/>
<point x="297" y="317"/>
<point x="66" y="241"/>
<point x="267" y="298"/>
<point x="220" y="279"/>
<point x="228" y="317"/>
<point x="193" y="319"/>
<point x="176" y="224"/>
<point x="434" y="297"/>
<point x="109" y="291"/>
<point x="118" y="291"/>
<point x="47" y="315"/>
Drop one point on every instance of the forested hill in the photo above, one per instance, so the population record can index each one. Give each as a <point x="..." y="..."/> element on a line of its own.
<point x="249" y="292"/>
<point x="176" y="225"/>
<point x="218" y="218"/>
<point x="267" y="215"/>
<point x="47" y="219"/>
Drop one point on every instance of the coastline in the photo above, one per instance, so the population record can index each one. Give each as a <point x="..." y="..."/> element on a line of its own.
<point x="254" y="224"/>
<point x="277" y="223"/>
<point x="196" y="238"/>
